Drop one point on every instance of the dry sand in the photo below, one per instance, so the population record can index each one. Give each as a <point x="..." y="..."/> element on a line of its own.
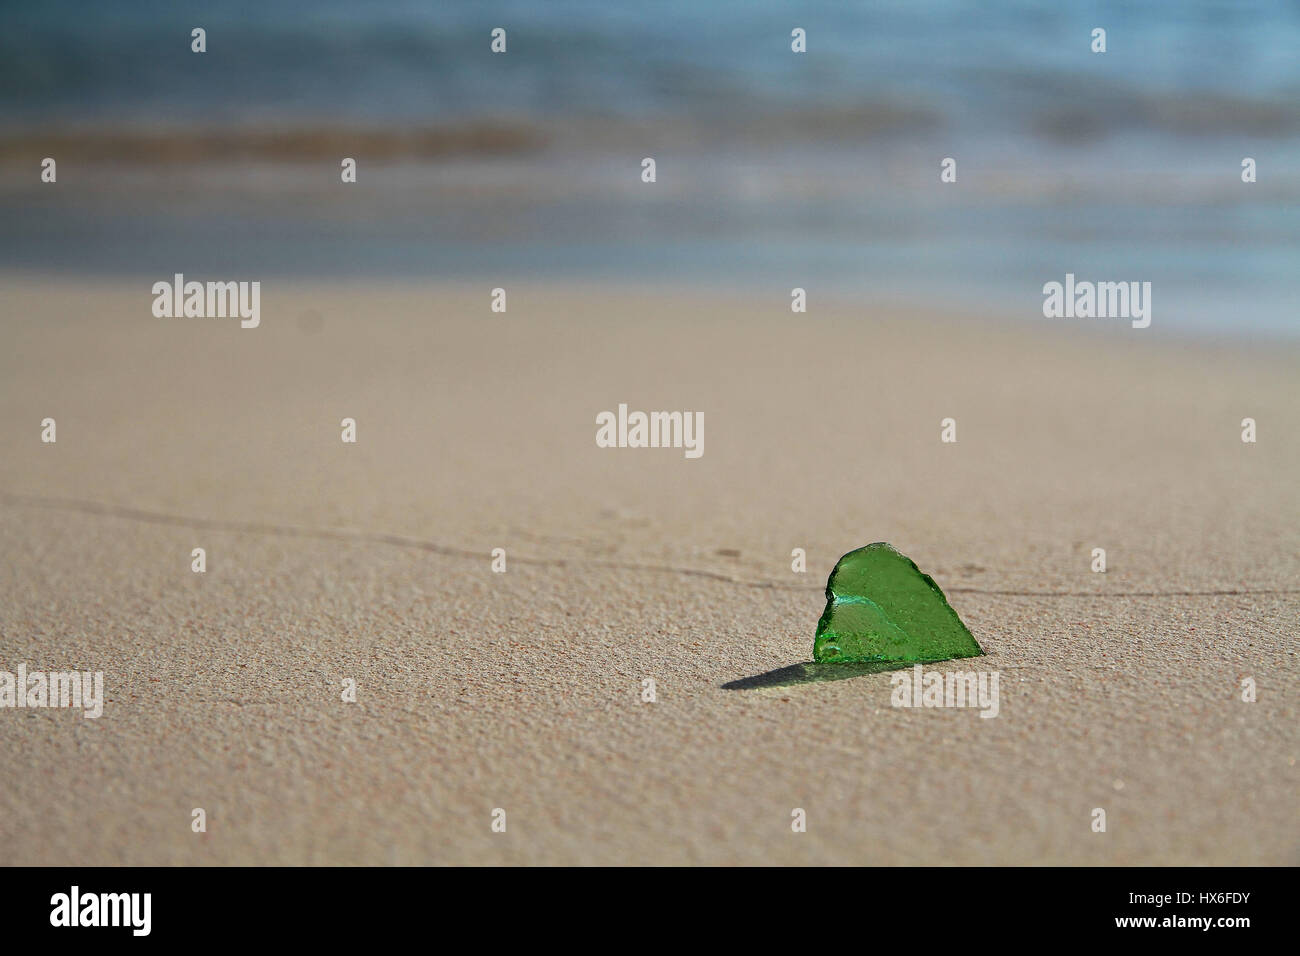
<point x="522" y="690"/>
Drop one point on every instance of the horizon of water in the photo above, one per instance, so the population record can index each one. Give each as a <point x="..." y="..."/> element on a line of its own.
<point x="774" y="168"/>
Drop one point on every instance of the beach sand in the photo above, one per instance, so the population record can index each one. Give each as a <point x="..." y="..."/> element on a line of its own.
<point x="522" y="690"/>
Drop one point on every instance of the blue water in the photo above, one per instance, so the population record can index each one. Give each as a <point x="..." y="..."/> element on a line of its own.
<point x="984" y="67"/>
<point x="775" y="169"/>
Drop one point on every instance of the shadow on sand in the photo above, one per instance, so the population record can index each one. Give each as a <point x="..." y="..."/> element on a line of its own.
<point x="812" y="673"/>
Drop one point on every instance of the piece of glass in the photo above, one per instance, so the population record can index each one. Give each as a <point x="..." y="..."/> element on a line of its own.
<point x="881" y="607"/>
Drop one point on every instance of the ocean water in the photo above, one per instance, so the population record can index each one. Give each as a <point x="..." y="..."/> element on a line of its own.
<point x="775" y="169"/>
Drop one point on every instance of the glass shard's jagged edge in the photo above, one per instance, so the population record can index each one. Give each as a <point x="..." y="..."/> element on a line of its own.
<point x="881" y="607"/>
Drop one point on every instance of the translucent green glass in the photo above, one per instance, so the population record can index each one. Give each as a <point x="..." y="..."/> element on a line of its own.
<point x="881" y="607"/>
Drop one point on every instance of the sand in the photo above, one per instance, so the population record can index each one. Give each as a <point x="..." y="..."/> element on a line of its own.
<point x="522" y="690"/>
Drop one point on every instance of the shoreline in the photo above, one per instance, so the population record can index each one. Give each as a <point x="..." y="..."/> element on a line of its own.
<point x="770" y="300"/>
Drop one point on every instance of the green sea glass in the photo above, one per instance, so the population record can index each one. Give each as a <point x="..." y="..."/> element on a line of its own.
<point x="881" y="607"/>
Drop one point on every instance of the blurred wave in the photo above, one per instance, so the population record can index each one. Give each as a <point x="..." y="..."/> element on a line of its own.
<point x="773" y="167"/>
<point x="1201" y="68"/>
<point x="153" y="146"/>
